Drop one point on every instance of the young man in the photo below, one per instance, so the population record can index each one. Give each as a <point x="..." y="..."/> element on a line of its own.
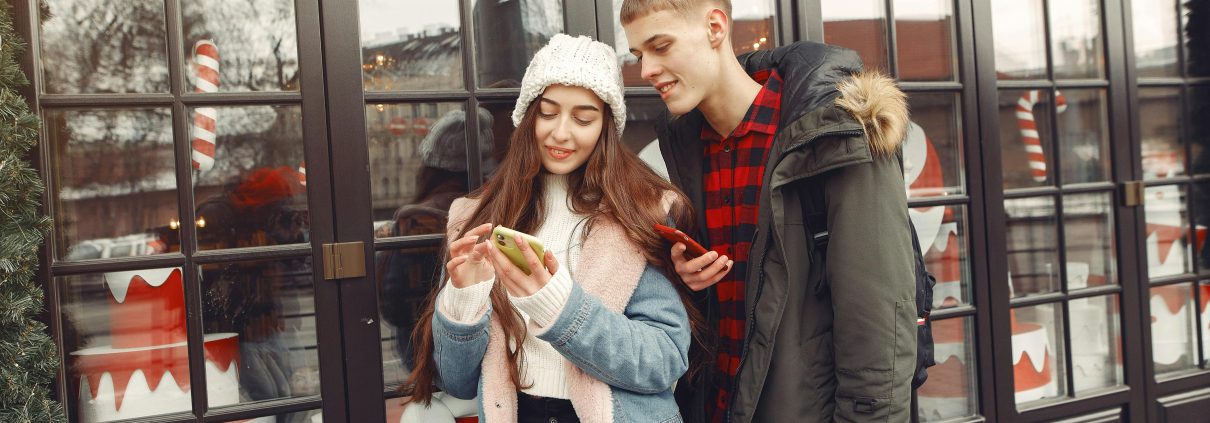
<point x="804" y="335"/>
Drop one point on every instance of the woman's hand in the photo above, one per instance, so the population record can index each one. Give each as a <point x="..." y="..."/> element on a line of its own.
<point x="467" y="265"/>
<point x="515" y="280"/>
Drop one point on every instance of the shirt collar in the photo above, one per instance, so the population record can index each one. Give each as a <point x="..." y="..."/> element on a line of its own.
<point x="762" y="112"/>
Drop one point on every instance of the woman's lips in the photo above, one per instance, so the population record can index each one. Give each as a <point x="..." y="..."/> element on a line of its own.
<point x="559" y="153"/>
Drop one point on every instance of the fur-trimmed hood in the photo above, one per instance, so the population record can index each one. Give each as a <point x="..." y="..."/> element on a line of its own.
<point x="878" y="104"/>
<point x="818" y="75"/>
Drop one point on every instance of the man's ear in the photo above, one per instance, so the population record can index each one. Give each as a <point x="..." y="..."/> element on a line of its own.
<point x="718" y="27"/>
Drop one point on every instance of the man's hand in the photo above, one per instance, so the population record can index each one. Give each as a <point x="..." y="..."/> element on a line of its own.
<point x="701" y="272"/>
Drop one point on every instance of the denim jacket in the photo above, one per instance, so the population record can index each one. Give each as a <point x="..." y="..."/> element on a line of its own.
<point x="623" y="330"/>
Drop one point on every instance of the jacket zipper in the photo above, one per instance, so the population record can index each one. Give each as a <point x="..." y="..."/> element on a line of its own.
<point x="824" y="134"/>
<point x="743" y="354"/>
<point x="760" y="284"/>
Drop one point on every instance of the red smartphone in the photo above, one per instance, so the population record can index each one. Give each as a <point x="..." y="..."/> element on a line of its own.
<point x="672" y="234"/>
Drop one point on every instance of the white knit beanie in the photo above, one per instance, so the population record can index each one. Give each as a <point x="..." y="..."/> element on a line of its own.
<point x="577" y="61"/>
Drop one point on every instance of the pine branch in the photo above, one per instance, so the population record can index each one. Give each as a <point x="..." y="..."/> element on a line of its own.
<point x="28" y="357"/>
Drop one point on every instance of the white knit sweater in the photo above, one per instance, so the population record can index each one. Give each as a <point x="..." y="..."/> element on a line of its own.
<point x="544" y="368"/>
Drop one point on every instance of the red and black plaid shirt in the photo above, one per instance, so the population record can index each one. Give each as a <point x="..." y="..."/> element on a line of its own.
<point x="734" y="167"/>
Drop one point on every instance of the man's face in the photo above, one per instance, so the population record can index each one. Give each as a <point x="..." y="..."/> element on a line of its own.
<point x="677" y="57"/>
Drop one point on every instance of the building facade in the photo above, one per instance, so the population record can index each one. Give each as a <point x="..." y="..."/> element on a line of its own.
<point x="248" y="195"/>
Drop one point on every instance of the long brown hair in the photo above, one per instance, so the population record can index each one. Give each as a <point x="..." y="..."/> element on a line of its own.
<point x="612" y="184"/>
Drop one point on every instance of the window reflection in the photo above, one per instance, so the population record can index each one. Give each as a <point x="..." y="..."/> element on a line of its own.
<point x="924" y="31"/>
<point x="1096" y="345"/>
<point x="1194" y="17"/>
<point x="104" y="46"/>
<point x="114" y="182"/>
<point x="255" y="40"/>
<point x="1038" y="364"/>
<point x="1020" y="39"/>
<point x="1155" y="37"/>
<point x="1199" y="129"/>
<point x="1076" y="40"/>
<point x="1160" y="122"/>
<point x="1088" y="229"/>
<point x="254" y="193"/>
<point x="933" y="164"/>
<point x="859" y="25"/>
<point x="405" y="50"/>
<point x="1172" y="331"/>
<point x="405" y="278"/>
<point x="1032" y="245"/>
<point x="1167" y="231"/>
<point x="270" y="306"/>
<point x="1026" y="141"/>
<point x="942" y="235"/>
<point x="950" y="390"/>
<point x="1200" y="193"/>
<point x="418" y="163"/>
<point x="1083" y="127"/>
<point x="1204" y="303"/>
<point x="508" y="34"/>
<point x="125" y="339"/>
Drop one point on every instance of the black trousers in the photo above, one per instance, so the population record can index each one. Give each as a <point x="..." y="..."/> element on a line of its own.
<point x="531" y="409"/>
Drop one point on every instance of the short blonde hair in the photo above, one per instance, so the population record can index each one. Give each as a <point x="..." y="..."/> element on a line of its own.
<point x="634" y="9"/>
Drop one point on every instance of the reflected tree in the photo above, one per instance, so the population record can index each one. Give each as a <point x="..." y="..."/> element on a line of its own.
<point x="256" y="40"/>
<point x="100" y="46"/>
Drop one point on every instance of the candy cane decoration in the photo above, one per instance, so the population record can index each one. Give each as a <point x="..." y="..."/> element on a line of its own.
<point x="1029" y="130"/>
<point x="205" y="68"/>
<point x="302" y="173"/>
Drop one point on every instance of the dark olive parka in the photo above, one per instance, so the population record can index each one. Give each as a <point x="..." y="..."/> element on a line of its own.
<point x="844" y="350"/>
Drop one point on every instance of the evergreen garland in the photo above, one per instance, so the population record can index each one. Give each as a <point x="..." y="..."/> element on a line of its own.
<point x="28" y="358"/>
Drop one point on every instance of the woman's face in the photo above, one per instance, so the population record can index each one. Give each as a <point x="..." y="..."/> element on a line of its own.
<point x="569" y="123"/>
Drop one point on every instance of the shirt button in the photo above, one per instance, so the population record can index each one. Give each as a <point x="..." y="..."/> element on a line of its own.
<point x="726" y="148"/>
<point x="727" y="200"/>
<point x="554" y="420"/>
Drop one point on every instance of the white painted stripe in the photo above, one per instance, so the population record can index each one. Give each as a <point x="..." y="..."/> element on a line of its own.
<point x="1025" y="116"/>
<point x="1033" y="148"/>
<point x="1024" y="103"/>
<point x="204" y="162"/>
<point x="1030" y="133"/>
<point x="205" y="86"/>
<point x="203" y="134"/>
<point x="1037" y="165"/>
<point x="206" y="61"/>
<point x="209" y="112"/>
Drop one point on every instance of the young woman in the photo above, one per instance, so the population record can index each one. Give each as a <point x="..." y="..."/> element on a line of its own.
<point x="597" y="332"/>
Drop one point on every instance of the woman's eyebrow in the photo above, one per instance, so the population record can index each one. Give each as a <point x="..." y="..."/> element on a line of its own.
<point x="579" y="107"/>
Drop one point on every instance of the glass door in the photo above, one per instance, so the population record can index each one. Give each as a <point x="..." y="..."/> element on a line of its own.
<point x="422" y="113"/>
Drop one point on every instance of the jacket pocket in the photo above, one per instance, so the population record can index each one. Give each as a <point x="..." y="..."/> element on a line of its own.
<point x="883" y="395"/>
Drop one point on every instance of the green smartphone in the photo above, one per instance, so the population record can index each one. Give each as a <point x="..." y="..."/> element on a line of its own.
<point x="505" y="240"/>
